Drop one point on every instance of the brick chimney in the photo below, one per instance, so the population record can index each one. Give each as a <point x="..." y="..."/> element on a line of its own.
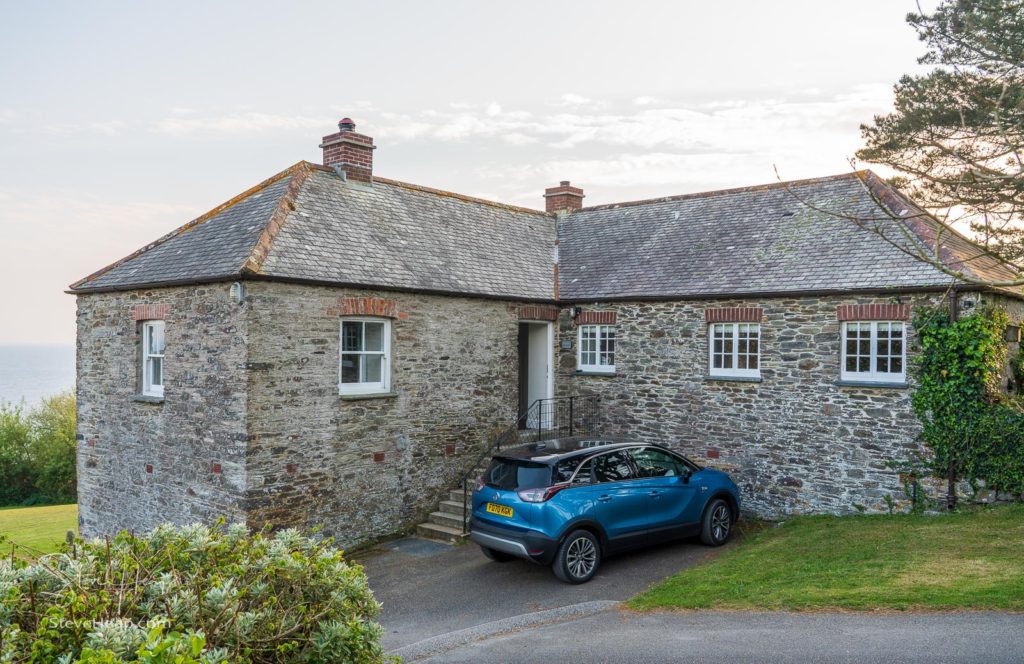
<point x="349" y="151"/>
<point x="563" y="198"/>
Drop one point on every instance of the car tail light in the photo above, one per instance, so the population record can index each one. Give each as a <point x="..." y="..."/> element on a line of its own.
<point x="540" y="494"/>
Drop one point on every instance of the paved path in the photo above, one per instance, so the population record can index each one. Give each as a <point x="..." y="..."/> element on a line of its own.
<point x="710" y="637"/>
<point x="430" y="589"/>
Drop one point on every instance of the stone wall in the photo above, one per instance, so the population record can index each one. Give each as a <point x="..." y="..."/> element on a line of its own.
<point x="796" y="442"/>
<point x="181" y="459"/>
<point x="364" y="468"/>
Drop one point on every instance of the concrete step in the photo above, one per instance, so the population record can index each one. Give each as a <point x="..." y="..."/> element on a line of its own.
<point x="440" y="533"/>
<point x="446" y="519"/>
<point x="453" y="507"/>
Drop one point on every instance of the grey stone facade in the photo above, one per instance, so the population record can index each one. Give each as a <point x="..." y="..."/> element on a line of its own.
<point x="139" y="462"/>
<point x="796" y="442"/>
<point x="251" y="426"/>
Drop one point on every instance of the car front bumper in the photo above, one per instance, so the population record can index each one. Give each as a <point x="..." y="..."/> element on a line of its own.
<point x="529" y="545"/>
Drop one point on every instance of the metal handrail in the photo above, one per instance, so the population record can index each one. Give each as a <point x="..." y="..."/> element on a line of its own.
<point x="513" y="432"/>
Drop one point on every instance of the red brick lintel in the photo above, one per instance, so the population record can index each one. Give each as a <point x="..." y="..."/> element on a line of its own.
<point x="538" y="313"/>
<point x="150" y="311"/>
<point x="596" y="318"/>
<point x="364" y="306"/>
<point x="845" y="312"/>
<point x="734" y="315"/>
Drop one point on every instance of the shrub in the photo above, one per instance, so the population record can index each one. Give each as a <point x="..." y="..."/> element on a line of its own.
<point x="189" y="595"/>
<point x="37" y="452"/>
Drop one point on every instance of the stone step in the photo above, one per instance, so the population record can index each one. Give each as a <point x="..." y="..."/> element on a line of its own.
<point x="456" y="495"/>
<point x="446" y="519"/>
<point x="440" y="533"/>
<point x="453" y="507"/>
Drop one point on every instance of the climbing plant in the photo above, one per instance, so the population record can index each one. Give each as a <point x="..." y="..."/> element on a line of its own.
<point x="972" y="430"/>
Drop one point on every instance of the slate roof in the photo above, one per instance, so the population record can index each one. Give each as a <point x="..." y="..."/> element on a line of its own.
<point x="772" y="239"/>
<point x="307" y="224"/>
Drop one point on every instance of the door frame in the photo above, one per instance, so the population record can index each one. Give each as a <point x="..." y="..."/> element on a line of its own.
<point x="550" y="359"/>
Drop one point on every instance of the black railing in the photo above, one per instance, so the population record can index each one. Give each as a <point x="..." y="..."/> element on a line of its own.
<point x="545" y="419"/>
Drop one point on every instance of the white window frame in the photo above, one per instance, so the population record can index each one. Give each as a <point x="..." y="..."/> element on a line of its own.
<point x="382" y="387"/>
<point x="149" y="388"/>
<point x="601" y="335"/>
<point x="733" y="371"/>
<point x="873" y="375"/>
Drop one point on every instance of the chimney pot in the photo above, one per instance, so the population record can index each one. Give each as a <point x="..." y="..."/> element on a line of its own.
<point x="564" y="183"/>
<point x="350" y="152"/>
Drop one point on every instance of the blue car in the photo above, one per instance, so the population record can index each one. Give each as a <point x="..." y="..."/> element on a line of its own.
<point x="570" y="503"/>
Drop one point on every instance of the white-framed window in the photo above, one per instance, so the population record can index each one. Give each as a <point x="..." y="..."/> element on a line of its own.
<point x="735" y="350"/>
<point x="365" y="356"/>
<point x="874" y="351"/>
<point x="153" y="358"/>
<point x="596" y="348"/>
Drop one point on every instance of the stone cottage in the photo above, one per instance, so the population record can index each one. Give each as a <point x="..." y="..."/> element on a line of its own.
<point x="331" y="348"/>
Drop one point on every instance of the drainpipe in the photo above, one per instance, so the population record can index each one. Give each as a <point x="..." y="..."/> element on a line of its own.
<point x="954" y="315"/>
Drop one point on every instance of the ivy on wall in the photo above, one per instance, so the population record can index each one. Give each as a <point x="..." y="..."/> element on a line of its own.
<point x="972" y="429"/>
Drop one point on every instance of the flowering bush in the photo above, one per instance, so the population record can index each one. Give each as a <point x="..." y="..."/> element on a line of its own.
<point x="190" y="595"/>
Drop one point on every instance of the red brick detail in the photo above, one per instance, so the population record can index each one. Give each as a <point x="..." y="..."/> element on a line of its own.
<point x="91" y="442"/>
<point x="216" y="468"/>
<point x="564" y="197"/>
<point x="538" y="313"/>
<point x="712" y="453"/>
<point x="364" y="306"/>
<point x="378" y="457"/>
<point x="734" y="315"/>
<point x="149" y="468"/>
<point x="150" y="311"/>
<point x="596" y="318"/>
<point x="449" y="449"/>
<point x="351" y="151"/>
<point x="290" y="468"/>
<point x="845" y="312"/>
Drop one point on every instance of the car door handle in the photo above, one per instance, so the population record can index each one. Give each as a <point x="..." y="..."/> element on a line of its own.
<point x="605" y="498"/>
<point x="655" y="493"/>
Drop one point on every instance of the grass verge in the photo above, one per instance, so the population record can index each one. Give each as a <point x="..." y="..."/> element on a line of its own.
<point x="968" y="560"/>
<point x="36" y="530"/>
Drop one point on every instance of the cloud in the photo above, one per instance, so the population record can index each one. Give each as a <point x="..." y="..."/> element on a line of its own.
<point x="235" y="123"/>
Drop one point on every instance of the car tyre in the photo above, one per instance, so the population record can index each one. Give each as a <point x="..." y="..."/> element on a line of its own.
<point x="578" y="557"/>
<point x="716" y="525"/>
<point x="495" y="555"/>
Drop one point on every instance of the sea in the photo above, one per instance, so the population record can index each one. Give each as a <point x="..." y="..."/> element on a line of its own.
<point x="31" y="372"/>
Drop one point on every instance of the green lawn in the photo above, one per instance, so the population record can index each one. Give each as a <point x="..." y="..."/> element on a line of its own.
<point x="968" y="560"/>
<point x="36" y="530"/>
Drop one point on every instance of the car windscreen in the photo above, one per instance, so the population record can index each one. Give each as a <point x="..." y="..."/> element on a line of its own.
<point x="517" y="474"/>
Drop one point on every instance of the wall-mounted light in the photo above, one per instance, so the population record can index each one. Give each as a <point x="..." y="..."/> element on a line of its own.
<point x="237" y="292"/>
<point x="576" y="311"/>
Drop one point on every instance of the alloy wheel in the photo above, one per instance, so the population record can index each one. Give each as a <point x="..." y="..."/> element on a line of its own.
<point x="720" y="521"/>
<point x="581" y="557"/>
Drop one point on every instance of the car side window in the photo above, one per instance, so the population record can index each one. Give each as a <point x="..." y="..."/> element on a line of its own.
<point x="585" y="474"/>
<point x="652" y="462"/>
<point x="613" y="467"/>
<point x="566" y="467"/>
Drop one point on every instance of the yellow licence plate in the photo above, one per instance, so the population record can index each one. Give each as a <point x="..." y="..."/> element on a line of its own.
<point x="501" y="510"/>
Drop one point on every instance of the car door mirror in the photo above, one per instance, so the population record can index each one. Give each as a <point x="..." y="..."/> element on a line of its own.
<point x="685" y="474"/>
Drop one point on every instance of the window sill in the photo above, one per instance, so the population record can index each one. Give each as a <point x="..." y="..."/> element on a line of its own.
<point x="732" y="379"/>
<point x="368" y="395"/>
<point x="147" y="398"/>
<point x="587" y="372"/>
<point x="873" y="384"/>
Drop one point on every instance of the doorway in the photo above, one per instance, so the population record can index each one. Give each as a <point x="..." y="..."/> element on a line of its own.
<point x="536" y="377"/>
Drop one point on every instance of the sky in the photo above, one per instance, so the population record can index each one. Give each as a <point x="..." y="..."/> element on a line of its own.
<point x="120" y="121"/>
